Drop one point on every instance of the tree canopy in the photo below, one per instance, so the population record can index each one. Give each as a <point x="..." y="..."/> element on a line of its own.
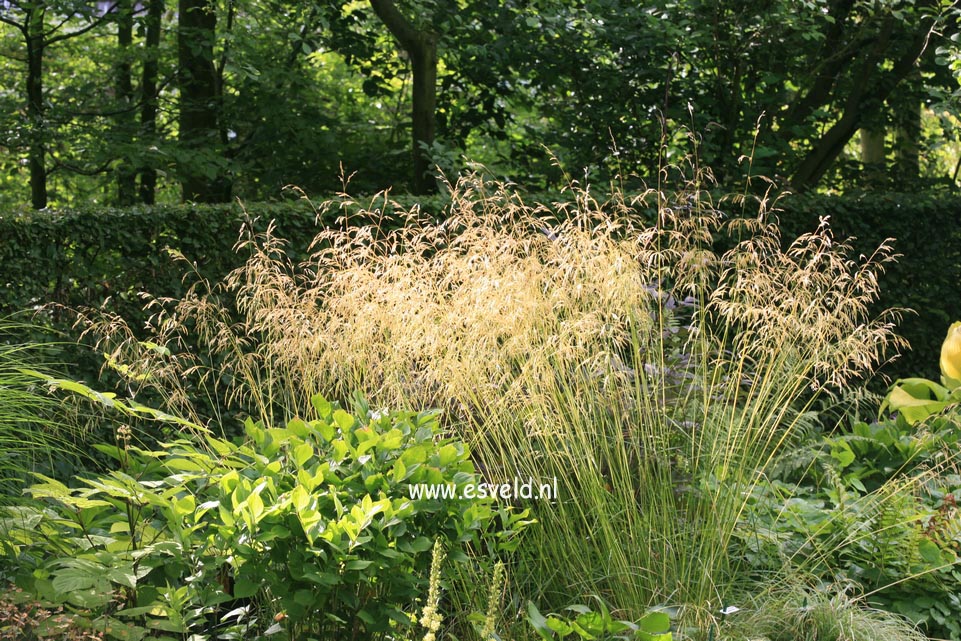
<point x="140" y="100"/>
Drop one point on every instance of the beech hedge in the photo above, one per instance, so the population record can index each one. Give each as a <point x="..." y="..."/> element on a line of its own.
<point x="926" y="279"/>
<point x="82" y="257"/>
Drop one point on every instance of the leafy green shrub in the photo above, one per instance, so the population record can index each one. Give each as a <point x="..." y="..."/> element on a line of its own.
<point x="661" y="375"/>
<point x="94" y="256"/>
<point x="306" y="530"/>
<point x="873" y="506"/>
<point x="590" y="625"/>
<point x="83" y="256"/>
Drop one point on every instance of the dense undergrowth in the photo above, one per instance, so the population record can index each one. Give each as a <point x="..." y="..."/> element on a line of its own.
<point x="686" y="384"/>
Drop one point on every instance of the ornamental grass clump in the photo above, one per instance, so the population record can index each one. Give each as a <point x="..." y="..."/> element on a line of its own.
<point x="652" y="352"/>
<point x="34" y="430"/>
<point x="799" y="612"/>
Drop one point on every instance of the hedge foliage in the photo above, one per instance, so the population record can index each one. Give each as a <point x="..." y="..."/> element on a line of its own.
<point x="53" y="263"/>
<point x="81" y="257"/>
<point x="926" y="279"/>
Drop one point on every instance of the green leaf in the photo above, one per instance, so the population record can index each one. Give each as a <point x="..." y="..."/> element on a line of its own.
<point x="181" y="464"/>
<point x="343" y="420"/>
<point x="123" y="576"/>
<point x="538" y="621"/>
<point x="222" y="448"/>
<point x="298" y="427"/>
<point x="358" y="564"/>
<point x="91" y="598"/>
<point x="256" y="505"/>
<point x="922" y="388"/>
<point x="185" y="505"/>
<point x="842" y="453"/>
<point x="300" y="498"/>
<point x="341" y="449"/>
<point x="448" y="454"/>
<point x="912" y="399"/>
<point x="323" y="407"/>
<point x="399" y="471"/>
<point x="561" y="627"/>
<point x="120" y="630"/>
<point x="326" y="430"/>
<point x="72" y="580"/>
<point x="930" y="551"/>
<point x="303" y="453"/>
<point x="245" y="587"/>
<point x="655" y="626"/>
<point x="595" y="623"/>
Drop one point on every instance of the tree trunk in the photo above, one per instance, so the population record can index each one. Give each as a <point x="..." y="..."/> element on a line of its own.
<point x="421" y="47"/>
<point x="126" y="173"/>
<point x="201" y="181"/>
<point x="36" y="159"/>
<point x="873" y="156"/>
<point x="870" y="90"/>
<point x="148" y="89"/>
<point x="907" y="118"/>
<point x="834" y="56"/>
<point x="424" y="99"/>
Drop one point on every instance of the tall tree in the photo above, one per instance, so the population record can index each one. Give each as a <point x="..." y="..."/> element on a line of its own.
<point x="33" y="31"/>
<point x="201" y="164"/>
<point x="906" y="116"/>
<point x="891" y="57"/>
<point x="125" y="111"/>
<point x="421" y="47"/>
<point x="150" y="94"/>
<point x="29" y="17"/>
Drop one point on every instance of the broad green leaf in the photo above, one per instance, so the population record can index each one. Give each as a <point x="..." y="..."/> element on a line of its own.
<point x="185" y="505"/>
<point x="537" y="620"/>
<point x="911" y="408"/>
<point x="930" y="551"/>
<point x="358" y="564"/>
<point x="256" y="505"/>
<point x="120" y="630"/>
<point x="842" y="453"/>
<point x="561" y="627"/>
<point x="222" y="448"/>
<point x="399" y="471"/>
<point x="655" y="626"/>
<point x="343" y="420"/>
<point x="922" y="388"/>
<point x="245" y="587"/>
<point x="298" y="428"/>
<point x="323" y="407"/>
<point x="326" y="430"/>
<point x="71" y="580"/>
<point x="341" y="449"/>
<point x="303" y="453"/>
<point x="123" y="575"/>
<point x="299" y="498"/>
<point x="181" y="464"/>
<point x="447" y="454"/>
<point x="91" y="598"/>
